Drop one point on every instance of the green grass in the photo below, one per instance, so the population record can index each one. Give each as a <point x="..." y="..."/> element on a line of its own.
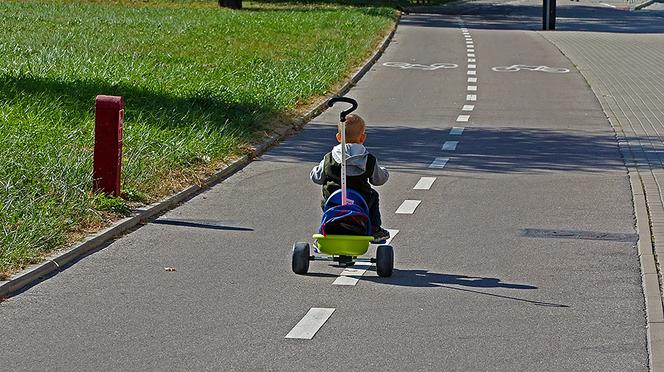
<point x="199" y="83"/>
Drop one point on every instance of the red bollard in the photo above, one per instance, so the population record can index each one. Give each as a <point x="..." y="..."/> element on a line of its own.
<point x="108" y="144"/>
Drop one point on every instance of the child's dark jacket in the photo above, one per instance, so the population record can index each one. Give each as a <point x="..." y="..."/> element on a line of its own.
<point x="362" y="171"/>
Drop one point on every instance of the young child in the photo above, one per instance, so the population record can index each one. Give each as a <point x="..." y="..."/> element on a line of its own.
<point x="361" y="170"/>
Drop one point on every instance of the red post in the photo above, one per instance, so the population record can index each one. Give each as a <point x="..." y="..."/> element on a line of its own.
<point x="108" y="144"/>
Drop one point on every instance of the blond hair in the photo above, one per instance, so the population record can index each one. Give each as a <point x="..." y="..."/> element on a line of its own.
<point x="354" y="128"/>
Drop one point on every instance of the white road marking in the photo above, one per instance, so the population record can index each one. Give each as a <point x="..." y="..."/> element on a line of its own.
<point x="463" y="118"/>
<point x="425" y="183"/>
<point x="409" y="206"/>
<point x="514" y="68"/>
<point x="450" y="145"/>
<point x="471" y="55"/>
<point x="469" y="42"/>
<point x="472" y="88"/>
<point x="472" y="67"/>
<point x="468" y="108"/>
<point x="471" y="50"/>
<point x="612" y="6"/>
<point x="456" y="131"/>
<point x="418" y="66"/>
<point x="307" y="327"/>
<point x="472" y="60"/>
<point x="439" y="163"/>
<point x="350" y="276"/>
<point x="472" y="72"/>
<point x="472" y="80"/>
<point x="471" y="97"/>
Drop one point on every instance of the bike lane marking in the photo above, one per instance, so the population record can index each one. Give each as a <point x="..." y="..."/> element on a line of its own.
<point x="450" y="145"/>
<point x="439" y="163"/>
<point x="424" y="183"/>
<point x="408" y="206"/>
<point x="351" y="275"/>
<point x="456" y="131"/>
<point x="309" y="325"/>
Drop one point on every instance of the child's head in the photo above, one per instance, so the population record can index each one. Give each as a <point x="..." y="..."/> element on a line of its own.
<point x="354" y="129"/>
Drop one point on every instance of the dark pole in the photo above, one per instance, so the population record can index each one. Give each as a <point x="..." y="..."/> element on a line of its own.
<point x="108" y="144"/>
<point x="548" y="14"/>
<point x="552" y="17"/>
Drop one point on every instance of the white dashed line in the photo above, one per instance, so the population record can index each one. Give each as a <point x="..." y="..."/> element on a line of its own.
<point x="471" y="50"/>
<point x="472" y="80"/>
<point x="472" y="55"/>
<point x="472" y="88"/>
<point x="463" y="118"/>
<point x="350" y="276"/>
<point x="472" y="67"/>
<point x="424" y="183"/>
<point x="439" y="163"/>
<point x="409" y="206"/>
<point x="450" y="145"/>
<point x="311" y="323"/>
<point x="471" y="97"/>
<point x="472" y="72"/>
<point x="456" y="131"/>
<point x="472" y="60"/>
<point x="468" y="108"/>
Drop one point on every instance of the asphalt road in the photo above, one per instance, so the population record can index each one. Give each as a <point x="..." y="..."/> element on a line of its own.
<point x="471" y="290"/>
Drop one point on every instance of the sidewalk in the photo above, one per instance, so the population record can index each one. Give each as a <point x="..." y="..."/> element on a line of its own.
<point x="624" y="67"/>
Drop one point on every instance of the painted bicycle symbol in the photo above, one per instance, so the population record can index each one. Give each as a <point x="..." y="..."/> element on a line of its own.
<point x="514" y="68"/>
<point x="417" y="66"/>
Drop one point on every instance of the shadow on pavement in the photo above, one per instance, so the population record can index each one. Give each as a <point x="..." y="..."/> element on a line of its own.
<point x="426" y="279"/>
<point x="201" y="224"/>
<point x="484" y="150"/>
<point x="487" y="16"/>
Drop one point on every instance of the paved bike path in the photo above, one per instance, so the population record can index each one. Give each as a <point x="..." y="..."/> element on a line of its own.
<point x="469" y="290"/>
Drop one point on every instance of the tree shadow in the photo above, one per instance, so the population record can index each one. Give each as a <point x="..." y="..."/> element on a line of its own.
<point x="484" y="150"/>
<point x="425" y="279"/>
<point x="222" y="111"/>
<point x="486" y="16"/>
<point x="370" y="5"/>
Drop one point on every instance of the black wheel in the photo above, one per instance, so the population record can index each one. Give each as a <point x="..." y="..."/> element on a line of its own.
<point x="384" y="260"/>
<point x="300" y="257"/>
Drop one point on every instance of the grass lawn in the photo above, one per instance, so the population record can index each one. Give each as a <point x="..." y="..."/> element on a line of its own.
<point x="200" y="83"/>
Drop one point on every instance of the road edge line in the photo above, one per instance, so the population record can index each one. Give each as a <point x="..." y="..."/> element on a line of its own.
<point x="62" y="259"/>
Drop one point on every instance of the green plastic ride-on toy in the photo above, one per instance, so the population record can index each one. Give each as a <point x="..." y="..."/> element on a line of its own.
<point x="344" y="249"/>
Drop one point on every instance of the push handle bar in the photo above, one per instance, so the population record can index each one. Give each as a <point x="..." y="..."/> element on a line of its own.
<point x="342" y="116"/>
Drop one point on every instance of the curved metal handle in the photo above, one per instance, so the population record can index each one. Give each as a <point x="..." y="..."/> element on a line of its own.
<point x="342" y="116"/>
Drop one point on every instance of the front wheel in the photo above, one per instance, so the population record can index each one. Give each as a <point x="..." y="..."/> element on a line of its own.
<point x="384" y="260"/>
<point x="300" y="262"/>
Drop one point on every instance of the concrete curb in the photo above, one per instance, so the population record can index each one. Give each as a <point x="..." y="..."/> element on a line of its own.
<point x="650" y="278"/>
<point x="61" y="260"/>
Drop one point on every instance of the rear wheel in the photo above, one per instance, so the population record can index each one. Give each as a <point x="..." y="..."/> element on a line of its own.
<point x="300" y="262"/>
<point x="384" y="260"/>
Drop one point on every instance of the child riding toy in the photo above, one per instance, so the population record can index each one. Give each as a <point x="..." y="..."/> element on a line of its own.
<point x="345" y="231"/>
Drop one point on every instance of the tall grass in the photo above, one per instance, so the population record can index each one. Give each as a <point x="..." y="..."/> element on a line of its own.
<point x="199" y="82"/>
